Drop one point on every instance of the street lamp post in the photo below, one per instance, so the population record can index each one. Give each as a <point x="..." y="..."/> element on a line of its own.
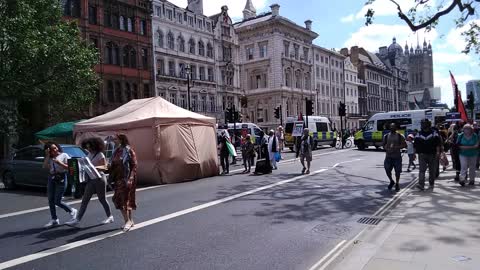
<point x="188" y="69"/>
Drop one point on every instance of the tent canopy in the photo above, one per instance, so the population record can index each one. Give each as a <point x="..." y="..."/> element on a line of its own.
<point x="146" y="112"/>
<point x="60" y="130"/>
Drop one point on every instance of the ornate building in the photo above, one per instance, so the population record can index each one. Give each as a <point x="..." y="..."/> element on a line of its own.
<point x="276" y="65"/>
<point x="352" y="83"/>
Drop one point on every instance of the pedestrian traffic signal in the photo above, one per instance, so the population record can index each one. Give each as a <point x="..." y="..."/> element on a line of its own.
<point x="309" y="107"/>
<point x="341" y="109"/>
<point x="277" y="112"/>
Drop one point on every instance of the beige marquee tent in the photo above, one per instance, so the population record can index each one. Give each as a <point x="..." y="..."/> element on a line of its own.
<point x="172" y="144"/>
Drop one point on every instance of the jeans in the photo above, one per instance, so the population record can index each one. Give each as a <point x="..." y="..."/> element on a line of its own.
<point x="55" y="193"/>
<point x="391" y="163"/>
<point x="411" y="159"/>
<point x="468" y="164"/>
<point x="98" y="186"/>
<point x="224" y="162"/>
<point x="248" y="161"/>
<point x="427" y="161"/>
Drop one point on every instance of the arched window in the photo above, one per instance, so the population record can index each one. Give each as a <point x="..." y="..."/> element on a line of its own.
<point x="107" y="57"/>
<point x="181" y="44"/>
<point x="298" y="79"/>
<point x="209" y="50"/>
<point x="191" y="45"/>
<point x="122" y="23"/>
<point x="170" y="41"/>
<point x="160" y="38"/>
<point x="135" y="91"/>
<point x="118" y="92"/>
<point x="201" y="48"/>
<point x="128" y="91"/>
<point x="110" y="94"/>
<point x="129" y="57"/>
<point x="111" y="54"/>
<point x="133" y="58"/>
<point x="307" y="81"/>
<point x="129" y="25"/>
<point x="288" y="78"/>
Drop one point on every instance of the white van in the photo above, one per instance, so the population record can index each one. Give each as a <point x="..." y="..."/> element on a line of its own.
<point x="407" y="121"/>
<point x="320" y="129"/>
<point x="242" y="129"/>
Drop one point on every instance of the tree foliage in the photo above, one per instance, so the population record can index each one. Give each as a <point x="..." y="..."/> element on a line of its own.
<point x="43" y="57"/>
<point x="425" y="14"/>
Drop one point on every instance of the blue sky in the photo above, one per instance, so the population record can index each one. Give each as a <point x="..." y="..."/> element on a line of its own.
<point x="341" y="24"/>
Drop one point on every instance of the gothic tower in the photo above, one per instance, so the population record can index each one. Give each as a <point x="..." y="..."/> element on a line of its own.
<point x="249" y="11"/>
<point x="420" y="69"/>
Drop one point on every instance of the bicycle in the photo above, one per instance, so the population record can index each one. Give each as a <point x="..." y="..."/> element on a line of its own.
<point x="348" y="143"/>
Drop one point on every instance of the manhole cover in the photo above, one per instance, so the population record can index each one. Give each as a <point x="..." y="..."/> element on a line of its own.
<point x="370" y="220"/>
<point x="331" y="230"/>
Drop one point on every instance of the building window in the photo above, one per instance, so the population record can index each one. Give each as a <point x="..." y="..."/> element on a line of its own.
<point x="193" y="72"/>
<point x="200" y="24"/>
<point x="249" y="52"/>
<point x="146" y="90"/>
<point x="227" y="53"/>
<point x="92" y="15"/>
<point x="190" y="21"/>
<point x="307" y="81"/>
<point x="170" y="14"/>
<point x="71" y="8"/>
<point x="298" y="79"/>
<point x="296" y="48"/>
<point x="202" y="73"/>
<point x="107" y="18"/>
<point x="213" y="106"/>
<point x="183" y="101"/>
<point x="161" y="67"/>
<point x="159" y="11"/>
<point x="118" y="92"/>
<point x="210" y="74"/>
<point x="288" y="78"/>
<point x="262" y="50"/>
<point x="122" y="23"/>
<point x="180" y="18"/>
<point x="129" y="57"/>
<point x="145" y="58"/>
<point x="143" y="27"/>
<point x="112" y="54"/>
<point x="194" y="103"/>
<point x="226" y="31"/>
<point x="209" y="50"/>
<point x="229" y="76"/>
<point x="286" y="48"/>
<point x="208" y="27"/>
<point x="128" y="91"/>
<point x="171" y="68"/>
<point x="110" y="94"/>
<point x="183" y="73"/>
<point x="181" y="44"/>
<point x="170" y="41"/>
<point x="201" y="48"/>
<point x="173" y="98"/>
<point x="129" y="25"/>
<point x="192" y="46"/>
<point x="203" y="104"/>
<point x="305" y="54"/>
<point x="160" y="38"/>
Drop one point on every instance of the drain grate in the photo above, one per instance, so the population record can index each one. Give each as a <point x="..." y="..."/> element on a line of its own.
<point x="370" y="220"/>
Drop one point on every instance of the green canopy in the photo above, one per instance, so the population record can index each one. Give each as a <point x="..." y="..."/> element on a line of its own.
<point x="60" y="130"/>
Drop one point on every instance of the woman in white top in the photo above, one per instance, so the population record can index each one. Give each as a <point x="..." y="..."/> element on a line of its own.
<point x="57" y="163"/>
<point x="95" y="147"/>
<point x="272" y="148"/>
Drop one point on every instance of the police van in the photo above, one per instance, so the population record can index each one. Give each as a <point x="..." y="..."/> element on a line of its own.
<point x="407" y="122"/>
<point x="241" y="130"/>
<point x="320" y="129"/>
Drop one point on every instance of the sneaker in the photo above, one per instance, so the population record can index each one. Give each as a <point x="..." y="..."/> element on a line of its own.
<point x="430" y="187"/>
<point x="307" y="172"/>
<point x="462" y="183"/>
<point x="408" y="170"/>
<point x="421" y="188"/>
<point x="109" y="220"/>
<point x="72" y="222"/>
<point x="397" y="187"/>
<point x="471" y="183"/>
<point x="390" y="186"/>
<point x="303" y="170"/>
<point x="53" y="222"/>
<point x="74" y="213"/>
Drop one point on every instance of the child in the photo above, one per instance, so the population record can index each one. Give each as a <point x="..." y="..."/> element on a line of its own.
<point x="411" y="153"/>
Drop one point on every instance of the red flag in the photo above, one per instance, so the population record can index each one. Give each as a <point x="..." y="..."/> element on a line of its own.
<point x="460" y="106"/>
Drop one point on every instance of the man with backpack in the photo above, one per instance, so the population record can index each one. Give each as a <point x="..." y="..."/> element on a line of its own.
<point x="304" y="150"/>
<point x="428" y="146"/>
<point x="393" y="143"/>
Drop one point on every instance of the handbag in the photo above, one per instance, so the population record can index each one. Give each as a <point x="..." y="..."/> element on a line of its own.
<point x="58" y="178"/>
<point x="443" y="159"/>
<point x="278" y="156"/>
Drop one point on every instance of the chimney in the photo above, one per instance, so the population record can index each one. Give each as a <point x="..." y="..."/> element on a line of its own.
<point x="344" y="52"/>
<point x="354" y="55"/>
<point x="275" y="9"/>
<point x="308" y="24"/>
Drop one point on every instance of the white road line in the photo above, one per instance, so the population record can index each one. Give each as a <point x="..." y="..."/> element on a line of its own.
<point x="69" y="203"/>
<point x="339" y="245"/>
<point x="138" y="226"/>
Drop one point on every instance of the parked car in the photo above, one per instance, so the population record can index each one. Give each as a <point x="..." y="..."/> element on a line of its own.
<point x="24" y="168"/>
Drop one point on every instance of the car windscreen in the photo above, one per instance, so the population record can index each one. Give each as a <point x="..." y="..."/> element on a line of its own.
<point x="289" y="128"/>
<point x="74" y="152"/>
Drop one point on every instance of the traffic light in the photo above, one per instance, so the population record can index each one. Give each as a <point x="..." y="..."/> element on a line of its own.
<point x="341" y="109"/>
<point x="309" y="107"/>
<point x="470" y="101"/>
<point x="277" y="112"/>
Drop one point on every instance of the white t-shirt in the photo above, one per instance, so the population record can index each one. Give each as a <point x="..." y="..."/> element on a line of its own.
<point x="94" y="158"/>
<point x="55" y="168"/>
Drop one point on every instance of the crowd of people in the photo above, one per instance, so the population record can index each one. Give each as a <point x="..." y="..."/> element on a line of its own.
<point x="429" y="147"/>
<point x="121" y="173"/>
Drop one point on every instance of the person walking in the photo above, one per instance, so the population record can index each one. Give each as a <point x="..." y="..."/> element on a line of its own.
<point x="468" y="152"/>
<point x="411" y="153"/>
<point x="304" y="150"/>
<point x="224" y="153"/>
<point x="95" y="148"/>
<point x="272" y="148"/>
<point x="123" y="170"/>
<point x="57" y="163"/>
<point x="263" y="165"/>
<point x="281" y="138"/>
<point x="427" y="145"/>
<point x="248" y="153"/>
<point x="393" y="143"/>
<point x="454" y="151"/>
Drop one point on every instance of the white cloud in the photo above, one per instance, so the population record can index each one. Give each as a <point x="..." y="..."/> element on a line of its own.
<point x="455" y="38"/>
<point x="442" y="79"/>
<point x="387" y="8"/>
<point x="450" y="58"/>
<point x="235" y="8"/>
<point x="348" y="18"/>
<point x="374" y="36"/>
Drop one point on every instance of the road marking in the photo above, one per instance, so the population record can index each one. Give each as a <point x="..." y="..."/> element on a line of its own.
<point x="339" y="245"/>
<point x="69" y="203"/>
<point x="337" y="251"/>
<point x="138" y="226"/>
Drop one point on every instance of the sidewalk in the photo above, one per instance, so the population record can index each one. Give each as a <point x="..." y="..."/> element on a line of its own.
<point x="427" y="230"/>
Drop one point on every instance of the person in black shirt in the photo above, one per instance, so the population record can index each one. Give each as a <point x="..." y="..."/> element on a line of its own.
<point x="428" y="146"/>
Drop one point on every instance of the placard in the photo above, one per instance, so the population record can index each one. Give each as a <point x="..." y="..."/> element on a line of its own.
<point x="297" y="129"/>
<point x="453" y="117"/>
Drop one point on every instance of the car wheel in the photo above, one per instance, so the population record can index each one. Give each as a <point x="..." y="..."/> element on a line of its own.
<point x="8" y="180"/>
<point x="361" y="145"/>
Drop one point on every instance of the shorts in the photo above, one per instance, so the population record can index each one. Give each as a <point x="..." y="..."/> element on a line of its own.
<point x="306" y="156"/>
<point x="393" y="163"/>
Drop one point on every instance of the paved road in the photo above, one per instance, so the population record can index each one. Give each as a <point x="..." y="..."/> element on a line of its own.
<point x="279" y="221"/>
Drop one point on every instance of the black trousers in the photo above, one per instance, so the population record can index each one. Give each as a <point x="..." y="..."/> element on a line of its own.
<point x="224" y="162"/>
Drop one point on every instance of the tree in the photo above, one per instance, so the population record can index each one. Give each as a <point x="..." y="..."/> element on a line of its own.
<point x="425" y="15"/>
<point x="43" y="59"/>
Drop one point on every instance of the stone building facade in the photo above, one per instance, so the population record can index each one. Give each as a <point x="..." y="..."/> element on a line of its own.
<point x="121" y="31"/>
<point x="276" y="65"/>
<point x="189" y="48"/>
<point x="352" y="83"/>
